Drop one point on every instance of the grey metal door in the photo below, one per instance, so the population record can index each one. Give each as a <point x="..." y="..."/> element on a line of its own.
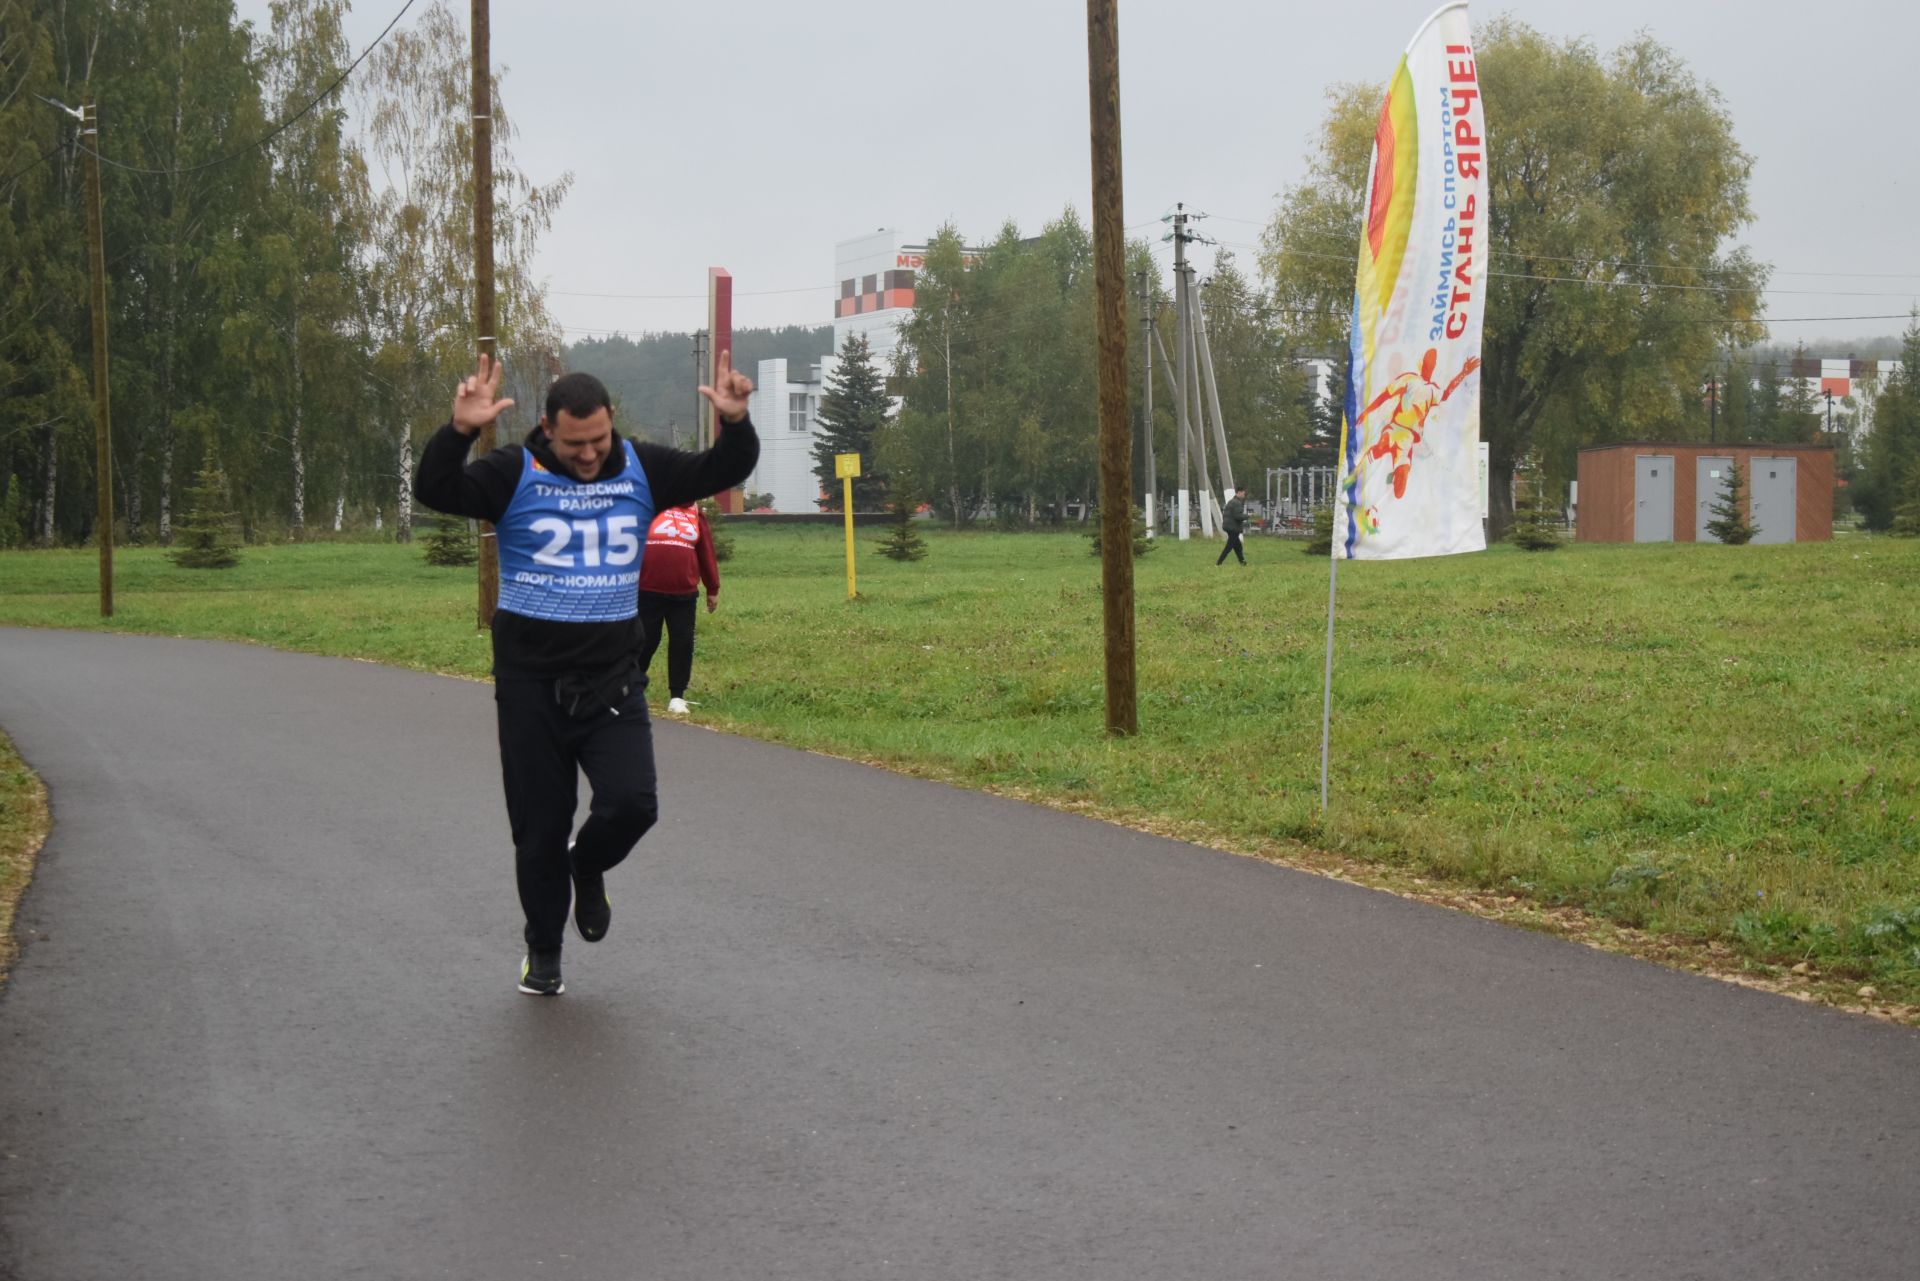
<point x="1775" y="486"/>
<point x="1653" y="498"/>
<point x="1710" y="477"/>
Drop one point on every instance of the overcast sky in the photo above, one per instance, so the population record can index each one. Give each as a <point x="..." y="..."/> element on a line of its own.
<point x="755" y="135"/>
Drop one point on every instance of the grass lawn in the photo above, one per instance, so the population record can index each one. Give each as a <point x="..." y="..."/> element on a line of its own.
<point x="23" y="825"/>
<point x="1710" y="744"/>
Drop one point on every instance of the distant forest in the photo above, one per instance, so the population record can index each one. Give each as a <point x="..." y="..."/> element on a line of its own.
<point x="652" y="376"/>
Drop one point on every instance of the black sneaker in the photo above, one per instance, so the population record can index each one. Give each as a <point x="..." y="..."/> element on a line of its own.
<point x="592" y="909"/>
<point x="540" y="974"/>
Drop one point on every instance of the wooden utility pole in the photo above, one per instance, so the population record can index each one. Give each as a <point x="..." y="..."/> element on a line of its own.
<point x="1110" y="314"/>
<point x="699" y="379"/>
<point x="102" y="417"/>
<point x="483" y="317"/>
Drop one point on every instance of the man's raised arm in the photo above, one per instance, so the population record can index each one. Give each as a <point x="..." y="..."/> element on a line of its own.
<point x="677" y="477"/>
<point x="445" y="481"/>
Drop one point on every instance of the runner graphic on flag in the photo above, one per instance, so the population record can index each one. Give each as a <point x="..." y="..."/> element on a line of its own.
<point x="1409" y="439"/>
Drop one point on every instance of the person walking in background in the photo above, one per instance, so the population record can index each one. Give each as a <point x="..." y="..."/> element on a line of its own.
<point x="1233" y="519"/>
<point x="678" y="560"/>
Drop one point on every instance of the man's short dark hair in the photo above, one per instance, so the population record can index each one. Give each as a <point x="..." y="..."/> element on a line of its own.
<point x="579" y="394"/>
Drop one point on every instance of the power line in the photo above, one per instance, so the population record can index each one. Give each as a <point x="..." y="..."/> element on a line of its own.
<point x="45" y="156"/>
<point x="1617" y="284"/>
<point x="1617" y="262"/>
<point x="278" y="129"/>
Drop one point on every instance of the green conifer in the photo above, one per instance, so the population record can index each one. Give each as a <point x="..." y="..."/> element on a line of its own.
<point x="206" y="538"/>
<point x="1536" y="525"/>
<point x="722" y="542"/>
<point x="903" y="541"/>
<point x="1321" y="544"/>
<point x="1906" y="517"/>
<point x="1142" y="545"/>
<point x="450" y="545"/>
<point x="1729" y="521"/>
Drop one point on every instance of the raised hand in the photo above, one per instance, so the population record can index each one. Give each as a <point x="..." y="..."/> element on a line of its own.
<point x="730" y="390"/>
<point x="474" y="405"/>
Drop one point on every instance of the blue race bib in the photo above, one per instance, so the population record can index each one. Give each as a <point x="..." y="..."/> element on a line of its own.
<point x="570" y="550"/>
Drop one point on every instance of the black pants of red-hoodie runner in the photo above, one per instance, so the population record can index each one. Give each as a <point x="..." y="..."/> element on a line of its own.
<point x="543" y="752"/>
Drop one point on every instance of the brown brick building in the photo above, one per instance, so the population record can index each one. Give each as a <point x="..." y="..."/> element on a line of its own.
<point x="1658" y="492"/>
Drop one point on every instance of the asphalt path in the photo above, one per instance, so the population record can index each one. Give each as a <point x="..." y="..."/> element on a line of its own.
<point x="847" y="1025"/>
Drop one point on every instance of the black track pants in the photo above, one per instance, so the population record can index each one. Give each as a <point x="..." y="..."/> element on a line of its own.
<point x="542" y="754"/>
<point x="678" y="612"/>
<point x="1233" y="545"/>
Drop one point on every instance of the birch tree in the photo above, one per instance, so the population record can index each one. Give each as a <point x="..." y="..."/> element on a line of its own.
<point x="419" y="142"/>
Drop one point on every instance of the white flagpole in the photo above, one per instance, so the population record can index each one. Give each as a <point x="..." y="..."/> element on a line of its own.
<point x="1326" y="704"/>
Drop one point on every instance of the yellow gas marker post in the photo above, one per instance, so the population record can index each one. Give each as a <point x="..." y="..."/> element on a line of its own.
<point x="846" y="467"/>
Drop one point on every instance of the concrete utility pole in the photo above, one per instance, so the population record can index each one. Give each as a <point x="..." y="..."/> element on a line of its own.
<point x="1191" y="375"/>
<point x="1180" y="382"/>
<point x="102" y="409"/>
<point x="1110" y="313"/>
<point x="1213" y="393"/>
<point x="483" y="310"/>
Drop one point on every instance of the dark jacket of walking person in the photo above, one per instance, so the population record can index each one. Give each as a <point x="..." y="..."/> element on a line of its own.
<point x="679" y="560"/>
<point x="1233" y="519"/>
<point x="571" y="505"/>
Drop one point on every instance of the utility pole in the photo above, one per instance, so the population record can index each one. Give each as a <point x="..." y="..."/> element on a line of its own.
<point x="1713" y="411"/>
<point x="699" y="377"/>
<point x="483" y="318"/>
<point x="102" y="409"/>
<point x="1110" y="322"/>
<point x="1146" y="384"/>
<point x="1180" y="382"/>
<point x="1213" y="394"/>
<point x="1199" y="420"/>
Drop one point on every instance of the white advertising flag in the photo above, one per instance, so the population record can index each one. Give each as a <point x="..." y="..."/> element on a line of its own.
<point x="1409" y="441"/>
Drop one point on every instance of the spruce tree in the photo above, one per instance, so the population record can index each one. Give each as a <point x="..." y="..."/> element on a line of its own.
<point x="450" y="545"/>
<point x="903" y="541"/>
<point x="1142" y="545"/>
<point x="853" y="408"/>
<point x="722" y="542"/>
<point x="1729" y="523"/>
<point x="205" y="539"/>
<point x="1906" y="517"/>
<point x="1321" y="544"/>
<point x="1536" y="525"/>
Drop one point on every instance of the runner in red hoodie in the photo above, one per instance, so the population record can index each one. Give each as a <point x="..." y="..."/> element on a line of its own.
<point x="678" y="559"/>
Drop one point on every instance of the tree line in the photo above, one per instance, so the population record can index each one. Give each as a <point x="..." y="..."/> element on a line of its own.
<point x="291" y="292"/>
<point x="989" y="409"/>
<point x="288" y="296"/>
<point x="1620" y="307"/>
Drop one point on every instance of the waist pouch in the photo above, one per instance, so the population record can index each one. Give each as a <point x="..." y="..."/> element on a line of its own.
<point x="584" y="695"/>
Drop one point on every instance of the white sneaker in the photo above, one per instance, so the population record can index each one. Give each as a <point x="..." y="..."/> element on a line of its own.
<point x="676" y="707"/>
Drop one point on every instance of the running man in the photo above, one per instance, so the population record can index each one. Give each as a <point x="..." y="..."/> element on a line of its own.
<point x="571" y="505"/>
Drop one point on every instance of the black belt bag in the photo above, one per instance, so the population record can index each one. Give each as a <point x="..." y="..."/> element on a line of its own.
<point x="584" y="695"/>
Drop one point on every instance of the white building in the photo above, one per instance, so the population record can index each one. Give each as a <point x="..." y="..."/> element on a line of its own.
<point x="876" y="274"/>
